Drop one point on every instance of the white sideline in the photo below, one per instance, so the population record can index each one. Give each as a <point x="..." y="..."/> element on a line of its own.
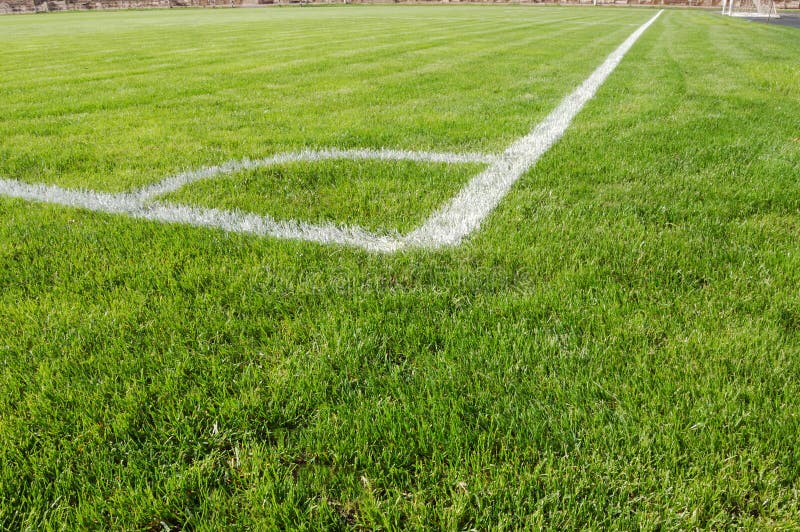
<point x="465" y="212"/>
<point x="447" y="226"/>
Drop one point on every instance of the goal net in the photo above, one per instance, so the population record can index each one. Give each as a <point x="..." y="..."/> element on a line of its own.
<point x="749" y="8"/>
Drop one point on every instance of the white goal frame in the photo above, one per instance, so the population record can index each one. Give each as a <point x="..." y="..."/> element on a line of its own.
<point x="750" y="8"/>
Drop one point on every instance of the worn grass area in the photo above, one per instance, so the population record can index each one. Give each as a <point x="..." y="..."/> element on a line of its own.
<point x="619" y="346"/>
<point x="377" y="195"/>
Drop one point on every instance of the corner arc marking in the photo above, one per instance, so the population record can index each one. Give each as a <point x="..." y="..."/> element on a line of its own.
<point x="447" y="226"/>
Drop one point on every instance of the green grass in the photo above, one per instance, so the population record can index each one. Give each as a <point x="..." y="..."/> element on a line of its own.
<point x="618" y="347"/>
<point x="378" y="195"/>
<point x="118" y="100"/>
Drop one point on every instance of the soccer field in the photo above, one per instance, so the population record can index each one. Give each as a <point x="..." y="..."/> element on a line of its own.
<point x="399" y="267"/>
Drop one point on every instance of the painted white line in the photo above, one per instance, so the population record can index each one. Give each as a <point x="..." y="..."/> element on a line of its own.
<point x="239" y="222"/>
<point x="447" y="226"/>
<point x="470" y="207"/>
<point x="178" y="181"/>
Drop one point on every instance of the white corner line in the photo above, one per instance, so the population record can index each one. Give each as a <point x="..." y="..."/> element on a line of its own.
<point x="448" y="226"/>
<point x="470" y="207"/>
<point x="178" y="181"/>
<point x="134" y="206"/>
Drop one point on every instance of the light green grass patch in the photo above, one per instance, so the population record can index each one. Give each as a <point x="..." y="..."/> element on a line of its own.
<point x="377" y="195"/>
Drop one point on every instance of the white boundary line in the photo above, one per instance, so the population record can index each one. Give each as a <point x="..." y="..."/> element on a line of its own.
<point x="233" y="221"/>
<point x="448" y="226"/>
<point x="175" y="182"/>
<point x="467" y="210"/>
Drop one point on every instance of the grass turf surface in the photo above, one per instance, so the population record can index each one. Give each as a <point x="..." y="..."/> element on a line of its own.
<point x="619" y="344"/>
<point x="377" y="195"/>
<point x="138" y="96"/>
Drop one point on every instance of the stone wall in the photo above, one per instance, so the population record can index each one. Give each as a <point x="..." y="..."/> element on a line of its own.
<point x="37" y="6"/>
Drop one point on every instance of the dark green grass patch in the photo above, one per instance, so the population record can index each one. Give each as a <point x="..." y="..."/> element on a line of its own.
<point x="378" y="195"/>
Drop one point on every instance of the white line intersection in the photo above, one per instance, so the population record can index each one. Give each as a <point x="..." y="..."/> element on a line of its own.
<point x="447" y="226"/>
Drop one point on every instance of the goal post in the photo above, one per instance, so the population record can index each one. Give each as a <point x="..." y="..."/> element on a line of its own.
<point x="750" y="8"/>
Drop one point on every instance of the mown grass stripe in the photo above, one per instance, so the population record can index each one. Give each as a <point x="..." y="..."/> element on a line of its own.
<point x="448" y="226"/>
<point x="465" y="213"/>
